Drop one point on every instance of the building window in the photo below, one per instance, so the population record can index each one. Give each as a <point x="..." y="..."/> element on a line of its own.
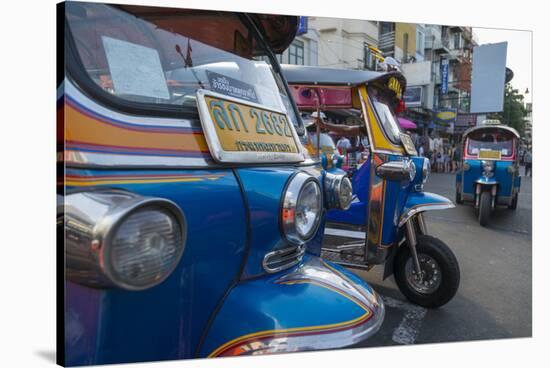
<point x="420" y="38"/>
<point x="369" y="60"/>
<point x="456" y="40"/>
<point x="296" y="53"/>
<point x="386" y="27"/>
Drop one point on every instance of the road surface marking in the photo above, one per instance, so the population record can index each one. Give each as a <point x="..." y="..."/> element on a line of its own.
<point x="409" y="327"/>
<point x="345" y="233"/>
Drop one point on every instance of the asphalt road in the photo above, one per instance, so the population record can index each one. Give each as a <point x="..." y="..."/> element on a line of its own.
<point x="495" y="294"/>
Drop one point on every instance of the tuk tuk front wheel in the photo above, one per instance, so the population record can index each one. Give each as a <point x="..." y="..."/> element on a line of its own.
<point x="484" y="208"/>
<point x="440" y="277"/>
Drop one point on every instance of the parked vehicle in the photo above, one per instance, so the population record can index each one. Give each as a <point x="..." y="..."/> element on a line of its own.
<point x="489" y="174"/>
<point x="388" y="197"/>
<point x="191" y="213"/>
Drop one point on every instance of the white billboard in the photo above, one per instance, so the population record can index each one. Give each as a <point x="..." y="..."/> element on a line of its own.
<point x="417" y="74"/>
<point x="488" y="78"/>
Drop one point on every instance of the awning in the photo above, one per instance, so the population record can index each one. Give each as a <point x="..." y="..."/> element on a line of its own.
<point x="406" y="124"/>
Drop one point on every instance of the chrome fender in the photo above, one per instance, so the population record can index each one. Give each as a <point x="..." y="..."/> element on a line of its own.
<point x="316" y="305"/>
<point x="422" y="202"/>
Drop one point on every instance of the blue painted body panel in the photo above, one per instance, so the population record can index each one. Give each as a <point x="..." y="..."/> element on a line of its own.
<point x="264" y="188"/>
<point x="506" y="181"/>
<point x="416" y="199"/>
<point x="399" y="198"/>
<point x="267" y="304"/>
<point x="166" y="321"/>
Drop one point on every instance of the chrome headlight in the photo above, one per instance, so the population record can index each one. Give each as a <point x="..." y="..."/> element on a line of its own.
<point x="302" y="206"/>
<point x="425" y="170"/>
<point x="412" y="170"/>
<point x="488" y="167"/>
<point x="338" y="191"/>
<point x="397" y="170"/>
<point x="119" y="239"/>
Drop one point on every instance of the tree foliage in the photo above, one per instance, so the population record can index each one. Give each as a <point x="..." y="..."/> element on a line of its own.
<point x="514" y="113"/>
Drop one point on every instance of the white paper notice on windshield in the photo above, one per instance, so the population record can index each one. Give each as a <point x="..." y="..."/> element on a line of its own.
<point x="135" y="69"/>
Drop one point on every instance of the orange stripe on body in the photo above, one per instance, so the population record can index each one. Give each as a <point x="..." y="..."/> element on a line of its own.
<point x="84" y="129"/>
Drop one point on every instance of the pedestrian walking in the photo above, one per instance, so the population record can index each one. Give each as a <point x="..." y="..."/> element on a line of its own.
<point x="439" y="161"/>
<point x="528" y="164"/>
<point x="455" y="154"/>
<point x="447" y="160"/>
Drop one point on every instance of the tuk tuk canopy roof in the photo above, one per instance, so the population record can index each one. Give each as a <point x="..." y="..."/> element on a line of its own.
<point x="278" y="30"/>
<point x="298" y="74"/>
<point x="490" y="127"/>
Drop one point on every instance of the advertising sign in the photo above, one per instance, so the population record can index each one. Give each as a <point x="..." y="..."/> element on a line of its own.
<point x="302" y="26"/>
<point x="488" y="78"/>
<point x="444" y="76"/>
<point x="445" y="116"/>
<point x="413" y="96"/>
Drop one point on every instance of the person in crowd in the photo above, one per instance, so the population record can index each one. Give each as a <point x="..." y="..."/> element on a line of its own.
<point x="455" y="155"/>
<point x="431" y="152"/>
<point x="438" y="144"/>
<point x="343" y="145"/>
<point x="528" y="163"/>
<point x="357" y="132"/>
<point x="421" y="150"/>
<point x="414" y="138"/>
<point x="439" y="160"/>
<point x="447" y="160"/>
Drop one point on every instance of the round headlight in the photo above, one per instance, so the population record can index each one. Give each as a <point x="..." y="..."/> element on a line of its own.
<point x="338" y="191"/>
<point x="488" y="167"/>
<point x="425" y="170"/>
<point x="119" y="239"/>
<point x="145" y="248"/>
<point x="302" y="206"/>
<point x="411" y="167"/>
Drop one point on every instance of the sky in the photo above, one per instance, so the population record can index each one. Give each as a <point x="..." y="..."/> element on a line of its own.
<point x="518" y="57"/>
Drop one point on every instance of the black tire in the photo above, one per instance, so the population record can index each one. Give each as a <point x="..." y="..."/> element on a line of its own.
<point x="514" y="203"/>
<point x="448" y="265"/>
<point x="484" y="208"/>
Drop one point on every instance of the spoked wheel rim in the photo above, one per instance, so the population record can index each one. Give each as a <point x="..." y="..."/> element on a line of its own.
<point x="429" y="281"/>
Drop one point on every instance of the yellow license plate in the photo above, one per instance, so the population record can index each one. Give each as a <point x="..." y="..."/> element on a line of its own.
<point x="245" y="128"/>
<point x="489" y="155"/>
<point x="408" y="144"/>
<point x="239" y="131"/>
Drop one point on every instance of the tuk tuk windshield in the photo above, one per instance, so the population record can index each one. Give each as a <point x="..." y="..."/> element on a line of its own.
<point x="163" y="56"/>
<point x="501" y="141"/>
<point x="386" y="115"/>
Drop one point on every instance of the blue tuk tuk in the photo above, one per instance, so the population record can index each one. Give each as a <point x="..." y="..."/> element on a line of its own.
<point x="190" y="215"/>
<point x="489" y="171"/>
<point x="388" y="202"/>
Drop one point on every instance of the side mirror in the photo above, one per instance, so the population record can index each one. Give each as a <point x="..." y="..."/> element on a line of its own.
<point x="404" y="170"/>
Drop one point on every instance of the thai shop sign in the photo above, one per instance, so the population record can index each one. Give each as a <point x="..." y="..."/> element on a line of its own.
<point x="445" y="117"/>
<point x="413" y="96"/>
<point x="444" y="76"/>
<point x="465" y="121"/>
<point x="302" y="26"/>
